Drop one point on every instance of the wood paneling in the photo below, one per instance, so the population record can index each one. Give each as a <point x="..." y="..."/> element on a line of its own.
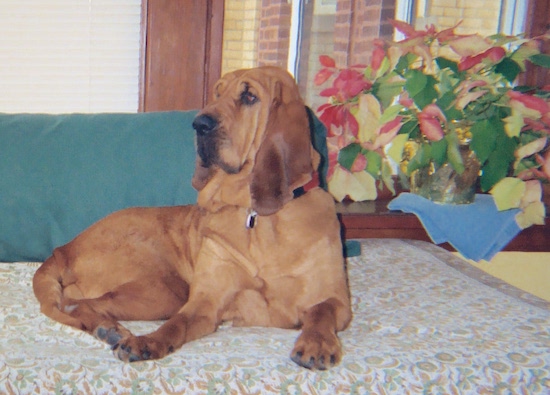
<point x="182" y="47"/>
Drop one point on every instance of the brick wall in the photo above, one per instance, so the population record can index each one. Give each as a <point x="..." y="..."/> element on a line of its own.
<point x="240" y="34"/>
<point x="318" y="38"/>
<point x="481" y="16"/>
<point x="274" y="32"/>
<point x="358" y="23"/>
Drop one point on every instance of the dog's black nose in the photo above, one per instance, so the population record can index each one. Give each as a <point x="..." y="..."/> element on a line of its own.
<point x="204" y="124"/>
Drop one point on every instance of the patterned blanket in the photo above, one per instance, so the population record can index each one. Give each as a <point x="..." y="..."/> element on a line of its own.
<point x="425" y="321"/>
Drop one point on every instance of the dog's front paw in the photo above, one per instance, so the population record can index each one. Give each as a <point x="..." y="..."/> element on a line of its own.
<point x="316" y="350"/>
<point x="140" y="348"/>
<point x="111" y="333"/>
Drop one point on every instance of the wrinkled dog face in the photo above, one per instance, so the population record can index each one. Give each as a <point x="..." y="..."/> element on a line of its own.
<point x="227" y="129"/>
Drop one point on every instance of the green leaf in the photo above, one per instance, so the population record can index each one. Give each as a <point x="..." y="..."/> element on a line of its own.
<point x="387" y="88"/>
<point x="499" y="162"/>
<point x="421" y="87"/>
<point x="446" y="103"/>
<point x="348" y="154"/>
<point x="439" y="151"/>
<point x="541" y="60"/>
<point x="404" y="62"/>
<point x="484" y="137"/>
<point x="421" y="159"/>
<point x="390" y="114"/>
<point x="374" y="163"/>
<point x="410" y="127"/>
<point x="508" y="68"/>
<point x="446" y="82"/>
<point x="453" y="153"/>
<point x="444" y="63"/>
<point x="415" y="82"/>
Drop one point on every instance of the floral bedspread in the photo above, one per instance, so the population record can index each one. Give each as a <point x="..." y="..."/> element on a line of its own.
<point x="424" y="322"/>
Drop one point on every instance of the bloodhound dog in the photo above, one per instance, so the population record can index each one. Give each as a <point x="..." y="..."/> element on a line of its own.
<point x="249" y="251"/>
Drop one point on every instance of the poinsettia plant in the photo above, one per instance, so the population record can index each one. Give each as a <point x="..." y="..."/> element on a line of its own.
<point x="417" y="90"/>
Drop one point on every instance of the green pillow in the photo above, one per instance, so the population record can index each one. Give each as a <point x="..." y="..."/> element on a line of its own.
<point x="61" y="173"/>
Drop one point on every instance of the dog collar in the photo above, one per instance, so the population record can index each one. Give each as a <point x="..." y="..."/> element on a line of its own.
<point x="251" y="219"/>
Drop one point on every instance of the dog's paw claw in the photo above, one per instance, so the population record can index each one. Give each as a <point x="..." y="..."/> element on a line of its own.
<point x="135" y="349"/>
<point x="311" y="353"/>
<point x="109" y="336"/>
<point x="312" y="362"/>
<point x="133" y="358"/>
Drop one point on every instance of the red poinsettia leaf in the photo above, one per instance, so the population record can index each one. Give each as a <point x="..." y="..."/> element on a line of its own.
<point x="468" y="62"/>
<point x="340" y="115"/>
<point x="322" y="76"/>
<point x="404" y="28"/>
<point x="353" y="88"/>
<point x="328" y="92"/>
<point x="391" y="126"/>
<point x="529" y="101"/>
<point x="326" y="114"/>
<point x="431" y="128"/>
<point x="378" y="55"/>
<point x="359" y="164"/>
<point x="327" y="61"/>
<point x="350" y="83"/>
<point x="331" y="115"/>
<point x="430" y="120"/>
<point x="322" y="107"/>
<point x="495" y="54"/>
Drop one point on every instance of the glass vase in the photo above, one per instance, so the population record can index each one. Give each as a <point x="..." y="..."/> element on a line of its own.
<point x="443" y="184"/>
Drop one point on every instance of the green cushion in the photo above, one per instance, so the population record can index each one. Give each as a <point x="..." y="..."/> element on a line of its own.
<point x="61" y="173"/>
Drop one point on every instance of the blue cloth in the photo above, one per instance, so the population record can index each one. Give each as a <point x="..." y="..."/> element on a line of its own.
<point x="477" y="231"/>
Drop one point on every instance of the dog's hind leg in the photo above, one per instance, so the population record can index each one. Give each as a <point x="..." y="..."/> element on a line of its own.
<point x="101" y="326"/>
<point x="199" y="317"/>
<point x="143" y="300"/>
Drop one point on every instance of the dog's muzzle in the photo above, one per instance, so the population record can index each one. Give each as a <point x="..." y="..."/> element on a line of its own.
<point x="204" y="124"/>
<point x="206" y="127"/>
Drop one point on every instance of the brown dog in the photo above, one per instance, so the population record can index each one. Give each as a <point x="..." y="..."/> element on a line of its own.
<point x="249" y="251"/>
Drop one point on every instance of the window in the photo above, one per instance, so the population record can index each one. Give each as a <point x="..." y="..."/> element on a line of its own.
<point x="69" y="55"/>
<point x="293" y="33"/>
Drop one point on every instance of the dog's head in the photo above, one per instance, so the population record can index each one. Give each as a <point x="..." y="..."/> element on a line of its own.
<point x="253" y="141"/>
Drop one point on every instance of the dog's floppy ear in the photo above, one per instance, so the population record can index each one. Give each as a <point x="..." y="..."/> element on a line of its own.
<point x="286" y="158"/>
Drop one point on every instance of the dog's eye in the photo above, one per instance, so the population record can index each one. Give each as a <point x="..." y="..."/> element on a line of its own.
<point x="248" y="98"/>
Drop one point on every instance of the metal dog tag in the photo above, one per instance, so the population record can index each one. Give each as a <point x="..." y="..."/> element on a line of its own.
<point x="251" y="219"/>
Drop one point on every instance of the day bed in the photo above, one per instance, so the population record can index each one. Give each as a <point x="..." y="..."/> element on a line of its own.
<point x="425" y="321"/>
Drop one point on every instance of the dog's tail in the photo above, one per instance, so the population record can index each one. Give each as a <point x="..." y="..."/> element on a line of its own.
<point x="48" y="289"/>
